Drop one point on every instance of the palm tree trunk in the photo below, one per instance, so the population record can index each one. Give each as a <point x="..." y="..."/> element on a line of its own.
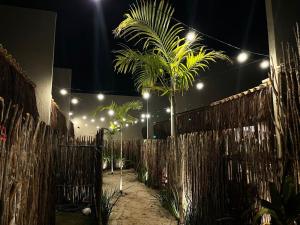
<point x="179" y="158"/>
<point x="112" y="157"/>
<point x="121" y="155"/>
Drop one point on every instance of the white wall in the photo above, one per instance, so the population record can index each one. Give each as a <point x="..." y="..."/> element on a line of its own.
<point x="29" y="35"/>
<point x="89" y="102"/>
<point x="62" y="79"/>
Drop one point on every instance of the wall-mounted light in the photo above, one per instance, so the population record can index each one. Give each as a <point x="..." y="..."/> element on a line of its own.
<point x="74" y="101"/>
<point x="100" y="97"/>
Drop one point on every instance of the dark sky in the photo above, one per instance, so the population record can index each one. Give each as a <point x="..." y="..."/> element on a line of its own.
<point x="84" y="38"/>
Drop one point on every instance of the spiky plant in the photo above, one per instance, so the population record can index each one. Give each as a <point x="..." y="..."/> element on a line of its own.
<point x="108" y="201"/>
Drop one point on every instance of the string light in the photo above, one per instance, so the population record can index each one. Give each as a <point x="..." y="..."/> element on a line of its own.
<point x="264" y="64"/>
<point x="102" y="119"/>
<point x="200" y="86"/>
<point x="92" y="120"/>
<point x="63" y="92"/>
<point x="84" y="117"/>
<point x="191" y="36"/>
<point x="74" y="101"/>
<point x="242" y="57"/>
<point x="70" y="113"/>
<point x="168" y="110"/>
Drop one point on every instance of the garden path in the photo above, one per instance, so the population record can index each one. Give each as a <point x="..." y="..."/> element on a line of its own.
<point x="138" y="205"/>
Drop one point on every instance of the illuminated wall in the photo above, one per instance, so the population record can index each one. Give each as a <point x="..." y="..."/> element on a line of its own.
<point x="88" y="103"/>
<point x="62" y="80"/>
<point x="29" y="35"/>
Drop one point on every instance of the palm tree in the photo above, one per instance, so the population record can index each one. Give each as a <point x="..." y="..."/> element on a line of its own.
<point x="110" y="133"/>
<point x="120" y="117"/>
<point x="164" y="60"/>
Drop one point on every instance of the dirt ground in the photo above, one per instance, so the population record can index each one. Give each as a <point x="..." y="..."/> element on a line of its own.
<point x="137" y="206"/>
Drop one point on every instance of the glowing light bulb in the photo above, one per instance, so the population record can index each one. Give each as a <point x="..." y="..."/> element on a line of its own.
<point x="168" y="110"/>
<point x="242" y="57"/>
<point x="111" y="112"/>
<point x="191" y="36"/>
<point x="102" y="119"/>
<point x="146" y="95"/>
<point x="74" y="101"/>
<point x="63" y="92"/>
<point x="200" y="86"/>
<point x="264" y="64"/>
<point x="100" y="97"/>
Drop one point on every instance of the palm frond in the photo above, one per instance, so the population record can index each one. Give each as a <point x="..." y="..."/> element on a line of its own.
<point x="150" y="23"/>
<point x="166" y="54"/>
<point x="121" y="113"/>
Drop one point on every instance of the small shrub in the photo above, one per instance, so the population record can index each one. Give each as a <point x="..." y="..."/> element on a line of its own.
<point x="142" y="174"/>
<point x="108" y="201"/>
<point x="169" y="199"/>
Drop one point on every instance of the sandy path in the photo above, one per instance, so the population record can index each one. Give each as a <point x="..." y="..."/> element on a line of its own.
<point x="138" y="206"/>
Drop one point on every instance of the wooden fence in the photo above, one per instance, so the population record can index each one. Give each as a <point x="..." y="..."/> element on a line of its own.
<point x="15" y="86"/>
<point x="234" y="151"/>
<point x="78" y="172"/>
<point x="226" y="167"/>
<point x="26" y="169"/>
<point x="75" y="168"/>
<point x="131" y="151"/>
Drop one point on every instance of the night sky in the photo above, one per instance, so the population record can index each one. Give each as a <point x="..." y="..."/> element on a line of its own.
<point x="84" y="40"/>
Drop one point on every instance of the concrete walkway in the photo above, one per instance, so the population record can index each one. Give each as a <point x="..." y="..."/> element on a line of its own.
<point x="138" y="206"/>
